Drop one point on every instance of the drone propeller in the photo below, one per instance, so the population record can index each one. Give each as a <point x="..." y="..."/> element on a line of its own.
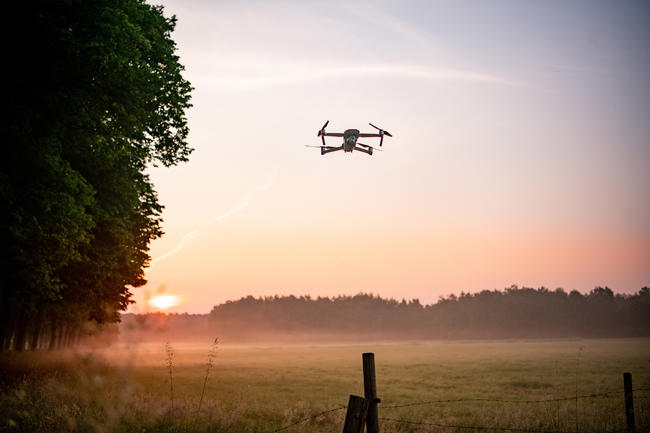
<point x="381" y="131"/>
<point x="381" y="134"/>
<point x="322" y="130"/>
<point x="321" y="133"/>
<point x="324" y="147"/>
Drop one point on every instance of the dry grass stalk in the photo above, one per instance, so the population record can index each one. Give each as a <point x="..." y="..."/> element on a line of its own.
<point x="212" y="353"/>
<point x="170" y="366"/>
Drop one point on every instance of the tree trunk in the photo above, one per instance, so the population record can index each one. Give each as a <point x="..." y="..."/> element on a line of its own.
<point x="21" y="331"/>
<point x="65" y="343"/>
<point x="3" y="336"/>
<point x="8" y="330"/>
<point x="36" y="331"/>
<point x="53" y="334"/>
<point x="36" y="335"/>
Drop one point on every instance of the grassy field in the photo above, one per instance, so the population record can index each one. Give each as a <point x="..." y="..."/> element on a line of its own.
<point x="260" y="389"/>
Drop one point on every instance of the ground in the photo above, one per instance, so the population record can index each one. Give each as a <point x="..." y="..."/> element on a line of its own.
<point x="128" y="387"/>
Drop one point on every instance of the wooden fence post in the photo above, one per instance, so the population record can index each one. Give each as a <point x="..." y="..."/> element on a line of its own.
<point x="355" y="418"/>
<point x="629" y="402"/>
<point x="370" y="392"/>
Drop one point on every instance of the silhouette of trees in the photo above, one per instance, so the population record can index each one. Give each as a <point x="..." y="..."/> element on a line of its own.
<point x="96" y="94"/>
<point x="512" y="313"/>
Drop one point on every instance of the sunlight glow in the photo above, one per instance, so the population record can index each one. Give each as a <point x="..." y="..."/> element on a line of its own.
<point x="163" y="302"/>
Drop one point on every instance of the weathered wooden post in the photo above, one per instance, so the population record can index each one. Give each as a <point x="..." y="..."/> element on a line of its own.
<point x="629" y="402"/>
<point x="370" y="392"/>
<point x="355" y="418"/>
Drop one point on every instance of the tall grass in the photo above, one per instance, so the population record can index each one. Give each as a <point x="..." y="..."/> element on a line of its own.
<point x="170" y="367"/>
<point x="212" y="353"/>
<point x="580" y="349"/>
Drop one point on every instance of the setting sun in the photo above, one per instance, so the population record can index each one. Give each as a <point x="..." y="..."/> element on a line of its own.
<point x="163" y="302"/>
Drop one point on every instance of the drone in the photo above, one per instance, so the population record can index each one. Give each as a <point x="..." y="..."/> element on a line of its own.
<point x="350" y="137"/>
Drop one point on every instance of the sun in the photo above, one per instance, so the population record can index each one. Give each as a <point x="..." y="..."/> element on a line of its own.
<point x="162" y="302"/>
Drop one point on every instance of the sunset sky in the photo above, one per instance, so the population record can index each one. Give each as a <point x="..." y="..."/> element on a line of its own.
<point x="521" y="150"/>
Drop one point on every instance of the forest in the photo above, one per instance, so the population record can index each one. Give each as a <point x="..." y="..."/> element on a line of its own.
<point x="510" y="313"/>
<point x="95" y="96"/>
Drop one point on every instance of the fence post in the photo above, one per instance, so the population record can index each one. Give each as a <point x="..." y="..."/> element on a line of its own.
<point x="629" y="402"/>
<point x="355" y="418"/>
<point x="370" y="392"/>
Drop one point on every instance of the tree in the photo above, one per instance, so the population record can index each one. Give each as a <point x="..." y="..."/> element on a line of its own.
<point x="97" y="95"/>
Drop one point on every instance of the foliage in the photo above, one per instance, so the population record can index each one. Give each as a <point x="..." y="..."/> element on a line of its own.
<point x="96" y="94"/>
<point x="513" y="312"/>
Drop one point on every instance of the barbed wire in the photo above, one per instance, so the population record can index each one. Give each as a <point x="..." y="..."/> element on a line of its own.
<point x="461" y="400"/>
<point x="474" y="427"/>
<point x="309" y="418"/>
<point x="497" y="400"/>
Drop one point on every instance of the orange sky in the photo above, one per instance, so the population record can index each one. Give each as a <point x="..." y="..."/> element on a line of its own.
<point x="520" y="152"/>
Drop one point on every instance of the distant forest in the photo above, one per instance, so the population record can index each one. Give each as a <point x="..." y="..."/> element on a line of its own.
<point x="512" y="313"/>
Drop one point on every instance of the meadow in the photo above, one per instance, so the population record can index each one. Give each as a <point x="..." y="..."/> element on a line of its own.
<point x="151" y="387"/>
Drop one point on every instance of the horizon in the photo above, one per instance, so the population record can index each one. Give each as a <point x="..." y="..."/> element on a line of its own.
<point x="519" y="152"/>
<point x="176" y="309"/>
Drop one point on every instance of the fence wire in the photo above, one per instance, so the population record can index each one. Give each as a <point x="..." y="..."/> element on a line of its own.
<point x="461" y="400"/>
<point x="309" y="418"/>
<point x="475" y="427"/>
<point x="497" y="400"/>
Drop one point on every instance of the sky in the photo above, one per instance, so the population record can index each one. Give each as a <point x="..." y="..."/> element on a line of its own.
<point x="520" y="150"/>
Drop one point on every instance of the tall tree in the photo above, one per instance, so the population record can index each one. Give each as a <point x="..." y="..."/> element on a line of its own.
<point x="97" y="95"/>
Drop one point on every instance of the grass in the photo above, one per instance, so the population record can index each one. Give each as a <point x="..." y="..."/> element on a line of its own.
<point x="259" y="389"/>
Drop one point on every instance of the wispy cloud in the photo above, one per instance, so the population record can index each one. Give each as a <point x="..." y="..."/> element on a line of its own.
<point x="252" y="81"/>
<point x="388" y="22"/>
<point x="248" y="199"/>
<point x="179" y="246"/>
<point x="342" y="31"/>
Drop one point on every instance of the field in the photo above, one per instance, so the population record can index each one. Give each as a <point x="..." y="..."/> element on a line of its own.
<point x="261" y="389"/>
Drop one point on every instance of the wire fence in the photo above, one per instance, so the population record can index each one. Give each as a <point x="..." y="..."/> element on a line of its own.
<point x="496" y="400"/>
<point x="468" y="400"/>
<point x="309" y="418"/>
<point x="473" y="427"/>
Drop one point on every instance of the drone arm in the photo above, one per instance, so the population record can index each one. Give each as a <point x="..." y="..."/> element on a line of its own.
<point x="381" y="137"/>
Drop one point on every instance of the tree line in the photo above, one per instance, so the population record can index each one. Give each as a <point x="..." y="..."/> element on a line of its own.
<point x="510" y="313"/>
<point x="95" y="95"/>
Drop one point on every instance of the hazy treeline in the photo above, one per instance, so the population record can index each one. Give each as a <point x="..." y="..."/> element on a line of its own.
<point x="95" y="95"/>
<point x="511" y="313"/>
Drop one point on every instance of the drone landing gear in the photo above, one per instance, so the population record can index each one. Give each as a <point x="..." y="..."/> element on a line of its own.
<point x="328" y="149"/>
<point x="368" y="150"/>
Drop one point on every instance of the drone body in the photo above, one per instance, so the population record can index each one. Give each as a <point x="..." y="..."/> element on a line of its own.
<point x="350" y="137"/>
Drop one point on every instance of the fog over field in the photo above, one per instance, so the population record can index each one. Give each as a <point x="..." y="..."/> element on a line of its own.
<point x="512" y="313"/>
<point x="496" y="384"/>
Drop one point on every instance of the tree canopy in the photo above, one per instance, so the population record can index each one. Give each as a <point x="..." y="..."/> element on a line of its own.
<point x="96" y="95"/>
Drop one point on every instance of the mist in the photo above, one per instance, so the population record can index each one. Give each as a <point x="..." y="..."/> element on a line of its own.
<point x="512" y="313"/>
